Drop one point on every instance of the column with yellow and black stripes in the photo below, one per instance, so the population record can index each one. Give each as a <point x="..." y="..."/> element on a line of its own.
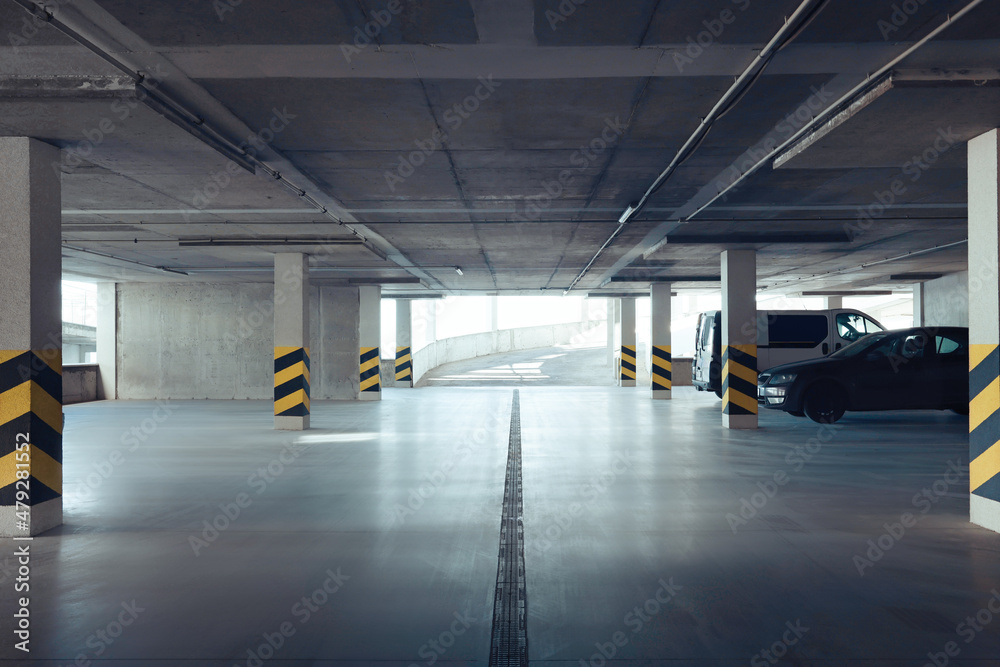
<point x="739" y="339"/>
<point x="31" y="419"/>
<point x="984" y="330"/>
<point x="661" y="365"/>
<point x="291" y="342"/>
<point x="404" y="340"/>
<point x="627" y="376"/>
<point x="370" y="330"/>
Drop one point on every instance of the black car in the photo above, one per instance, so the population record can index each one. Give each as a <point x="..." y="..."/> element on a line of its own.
<point x="907" y="369"/>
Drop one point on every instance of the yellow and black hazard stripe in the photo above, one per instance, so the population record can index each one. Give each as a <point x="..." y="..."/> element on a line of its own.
<point x="370" y="378"/>
<point x="404" y="364"/>
<point x="31" y="411"/>
<point x="662" y="368"/>
<point x="628" y="363"/>
<point x="984" y="421"/>
<point x="739" y="380"/>
<point x="291" y="381"/>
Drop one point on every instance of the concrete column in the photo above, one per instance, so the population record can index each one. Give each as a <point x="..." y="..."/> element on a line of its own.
<point x="611" y="303"/>
<point x="31" y="419"/>
<point x="661" y="366"/>
<point x="919" y="309"/>
<point x="371" y="339"/>
<point x="291" y="342"/>
<point x="984" y="330"/>
<point x="629" y="365"/>
<point x="404" y="342"/>
<point x="739" y="339"/>
<point x="107" y="341"/>
<point x="834" y="302"/>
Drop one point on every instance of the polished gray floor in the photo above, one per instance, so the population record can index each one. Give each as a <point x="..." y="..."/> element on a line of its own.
<point x="626" y="500"/>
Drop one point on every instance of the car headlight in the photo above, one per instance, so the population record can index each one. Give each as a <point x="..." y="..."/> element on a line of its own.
<point x="782" y="378"/>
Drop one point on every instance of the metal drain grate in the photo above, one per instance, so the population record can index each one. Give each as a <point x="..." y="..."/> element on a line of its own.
<point x="922" y="619"/>
<point x="509" y="644"/>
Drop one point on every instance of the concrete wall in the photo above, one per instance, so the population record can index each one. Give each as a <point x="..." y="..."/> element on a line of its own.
<point x="496" y="342"/>
<point x="79" y="383"/>
<point x="946" y="301"/>
<point x="192" y="341"/>
<point x="334" y="343"/>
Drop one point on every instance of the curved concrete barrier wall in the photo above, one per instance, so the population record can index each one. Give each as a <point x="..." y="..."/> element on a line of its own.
<point x="458" y="348"/>
<point x="79" y="383"/>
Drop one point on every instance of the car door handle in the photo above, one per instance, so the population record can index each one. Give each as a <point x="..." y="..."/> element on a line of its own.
<point x="826" y="348"/>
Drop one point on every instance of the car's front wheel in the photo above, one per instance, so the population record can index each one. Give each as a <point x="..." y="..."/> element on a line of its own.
<point x="825" y="403"/>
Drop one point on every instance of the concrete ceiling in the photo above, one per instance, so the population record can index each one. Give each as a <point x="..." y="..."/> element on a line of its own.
<point x="503" y="185"/>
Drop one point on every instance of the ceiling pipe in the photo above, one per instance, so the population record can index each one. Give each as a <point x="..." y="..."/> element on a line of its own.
<point x="839" y="104"/>
<point x="791" y="28"/>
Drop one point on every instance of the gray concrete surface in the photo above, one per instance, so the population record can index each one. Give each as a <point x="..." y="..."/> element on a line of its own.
<point x="547" y="366"/>
<point x="558" y="366"/>
<point x="620" y="491"/>
<point x="216" y="341"/>
<point x="632" y="80"/>
<point x="80" y="383"/>
<point x="946" y="300"/>
<point x="458" y="348"/>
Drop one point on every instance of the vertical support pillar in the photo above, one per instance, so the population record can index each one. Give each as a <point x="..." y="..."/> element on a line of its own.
<point x="919" y="312"/>
<point x="494" y="313"/>
<point x="404" y="342"/>
<point x="628" y="369"/>
<point x="984" y="330"/>
<point x="611" y="303"/>
<point x="834" y="302"/>
<point x="739" y="339"/>
<point x="291" y="342"/>
<point x="107" y="341"/>
<point x="659" y="341"/>
<point x="31" y="419"/>
<point x="370" y="328"/>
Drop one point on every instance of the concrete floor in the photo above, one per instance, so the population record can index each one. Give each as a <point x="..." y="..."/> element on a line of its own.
<point x="402" y="498"/>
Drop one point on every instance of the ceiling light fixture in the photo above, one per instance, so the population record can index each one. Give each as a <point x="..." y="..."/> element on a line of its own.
<point x="458" y="270"/>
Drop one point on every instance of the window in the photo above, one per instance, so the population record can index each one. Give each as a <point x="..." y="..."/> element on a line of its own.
<point x="913" y="346"/>
<point x="796" y="331"/>
<point x="706" y="332"/>
<point x="948" y="346"/>
<point x="852" y="326"/>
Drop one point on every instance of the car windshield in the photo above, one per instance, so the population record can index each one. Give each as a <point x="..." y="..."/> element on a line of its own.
<point x="864" y="344"/>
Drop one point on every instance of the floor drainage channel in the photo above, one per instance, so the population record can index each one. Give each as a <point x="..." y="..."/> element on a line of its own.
<point x="509" y="643"/>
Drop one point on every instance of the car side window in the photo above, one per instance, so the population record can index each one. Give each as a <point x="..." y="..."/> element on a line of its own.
<point x="948" y="346"/>
<point x="913" y="346"/>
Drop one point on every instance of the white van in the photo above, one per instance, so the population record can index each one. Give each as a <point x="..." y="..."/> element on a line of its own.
<point x="783" y="336"/>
